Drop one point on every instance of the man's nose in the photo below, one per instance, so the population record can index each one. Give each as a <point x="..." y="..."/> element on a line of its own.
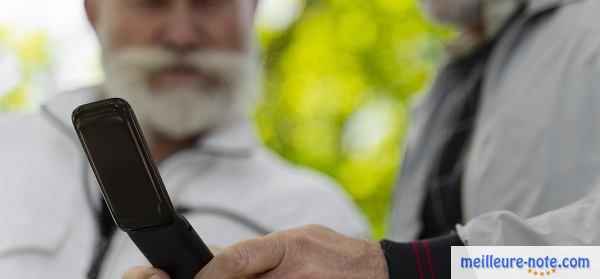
<point x="181" y="33"/>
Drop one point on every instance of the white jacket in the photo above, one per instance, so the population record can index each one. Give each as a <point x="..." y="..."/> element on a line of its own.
<point x="532" y="175"/>
<point x="234" y="188"/>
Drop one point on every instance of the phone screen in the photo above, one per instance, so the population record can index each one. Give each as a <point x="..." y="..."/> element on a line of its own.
<point x="125" y="177"/>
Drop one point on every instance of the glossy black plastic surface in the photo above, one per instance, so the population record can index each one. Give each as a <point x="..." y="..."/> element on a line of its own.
<point x="118" y="154"/>
<point x="176" y="249"/>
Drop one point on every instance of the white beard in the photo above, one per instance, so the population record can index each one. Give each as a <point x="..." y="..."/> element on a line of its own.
<point x="184" y="110"/>
<point x="460" y="13"/>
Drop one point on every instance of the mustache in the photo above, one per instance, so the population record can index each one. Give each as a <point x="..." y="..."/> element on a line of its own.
<point x="143" y="61"/>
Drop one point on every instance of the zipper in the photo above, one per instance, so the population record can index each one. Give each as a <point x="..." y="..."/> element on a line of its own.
<point x="512" y="28"/>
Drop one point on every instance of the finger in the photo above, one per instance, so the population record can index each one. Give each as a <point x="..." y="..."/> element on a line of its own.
<point x="245" y="259"/>
<point x="145" y="273"/>
<point x="215" y="249"/>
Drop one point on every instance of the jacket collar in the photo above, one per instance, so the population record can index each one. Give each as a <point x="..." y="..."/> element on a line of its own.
<point x="235" y="138"/>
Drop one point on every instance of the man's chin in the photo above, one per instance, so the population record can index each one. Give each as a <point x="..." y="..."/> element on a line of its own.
<point x="179" y="112"/>
<point x="175" y="132"/>
<point x="181" y="115"/>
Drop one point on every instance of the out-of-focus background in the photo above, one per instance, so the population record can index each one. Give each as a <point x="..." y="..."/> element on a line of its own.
<point x="339" y="76"/>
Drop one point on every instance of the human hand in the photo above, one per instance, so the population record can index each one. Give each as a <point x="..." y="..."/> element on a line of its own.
<point x="215" y="249"/>
<point x="307" y="252"/>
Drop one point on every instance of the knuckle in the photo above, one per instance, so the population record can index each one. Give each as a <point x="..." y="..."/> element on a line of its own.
<point x="309" y="237"/>
<point x="302" y="243"/>
<point x="317" y="230"/>
<point x="235" y="260"/>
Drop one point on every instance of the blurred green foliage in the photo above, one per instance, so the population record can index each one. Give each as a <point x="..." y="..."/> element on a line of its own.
<point x="27" y="53"/>
<point x="338" y="82"/>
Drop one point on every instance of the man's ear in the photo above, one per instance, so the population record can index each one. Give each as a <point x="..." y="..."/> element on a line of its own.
<point x="91" y="10"/>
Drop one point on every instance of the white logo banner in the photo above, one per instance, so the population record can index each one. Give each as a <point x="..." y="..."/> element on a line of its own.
<point x="552" y="262"/>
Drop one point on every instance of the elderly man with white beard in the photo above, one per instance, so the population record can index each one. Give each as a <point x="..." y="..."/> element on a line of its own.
<point x="189" y="68"/>
<point x="504" y="150"/>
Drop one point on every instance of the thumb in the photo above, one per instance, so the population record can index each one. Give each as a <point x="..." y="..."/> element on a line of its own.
<point x="245" y="259"/>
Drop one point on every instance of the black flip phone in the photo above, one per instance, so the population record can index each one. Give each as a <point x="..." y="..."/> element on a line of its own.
<point x="133" y="189"/>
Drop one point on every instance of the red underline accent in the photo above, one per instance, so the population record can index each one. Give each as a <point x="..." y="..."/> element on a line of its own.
<point x="429" y="260"/>
<point x="418" y="257"/>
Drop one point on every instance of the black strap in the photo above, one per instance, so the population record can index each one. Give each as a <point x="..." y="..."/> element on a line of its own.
<point x="106" y="228"/>
<point x="442" y="208"/>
